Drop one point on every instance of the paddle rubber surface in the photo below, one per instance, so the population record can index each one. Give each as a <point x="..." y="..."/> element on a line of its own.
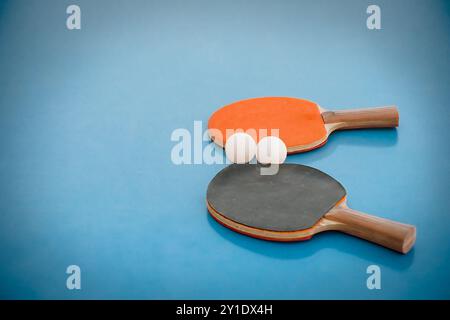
<point x="299" y="121"/>
<point x="293" y="199"/>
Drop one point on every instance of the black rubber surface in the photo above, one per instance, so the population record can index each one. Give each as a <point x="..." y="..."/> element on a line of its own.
<point x="293" y="199"/>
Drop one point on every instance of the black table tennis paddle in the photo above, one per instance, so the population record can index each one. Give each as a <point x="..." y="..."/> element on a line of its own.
<point x="293" y="205"/>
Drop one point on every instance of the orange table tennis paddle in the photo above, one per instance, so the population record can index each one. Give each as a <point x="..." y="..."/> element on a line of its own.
<point x="303" y="125"/>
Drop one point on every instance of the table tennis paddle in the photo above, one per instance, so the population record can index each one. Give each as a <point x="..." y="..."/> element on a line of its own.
<point x="295" y="204"/>
<point x="303" y="125"/>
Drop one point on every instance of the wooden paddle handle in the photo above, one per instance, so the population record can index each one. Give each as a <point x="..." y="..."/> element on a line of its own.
<point x="382" y="117"/>
<point x="394" y="235"/>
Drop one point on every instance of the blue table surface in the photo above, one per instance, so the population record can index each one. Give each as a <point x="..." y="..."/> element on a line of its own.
<point x="86" y="116"/>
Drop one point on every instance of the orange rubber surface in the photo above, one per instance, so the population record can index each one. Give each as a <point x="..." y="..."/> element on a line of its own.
<point x="299" y="121"/>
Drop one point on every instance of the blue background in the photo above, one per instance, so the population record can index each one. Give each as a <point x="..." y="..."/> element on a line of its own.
<point x="86" y="116"/>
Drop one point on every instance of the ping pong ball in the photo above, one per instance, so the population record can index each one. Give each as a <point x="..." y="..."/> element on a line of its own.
<point x="271" y="150"/>
<point x="240" y="148"/>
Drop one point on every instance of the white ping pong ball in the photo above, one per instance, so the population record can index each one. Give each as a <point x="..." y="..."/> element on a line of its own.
<point x="240" y="148"/>
<point x="271" y="150"/>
